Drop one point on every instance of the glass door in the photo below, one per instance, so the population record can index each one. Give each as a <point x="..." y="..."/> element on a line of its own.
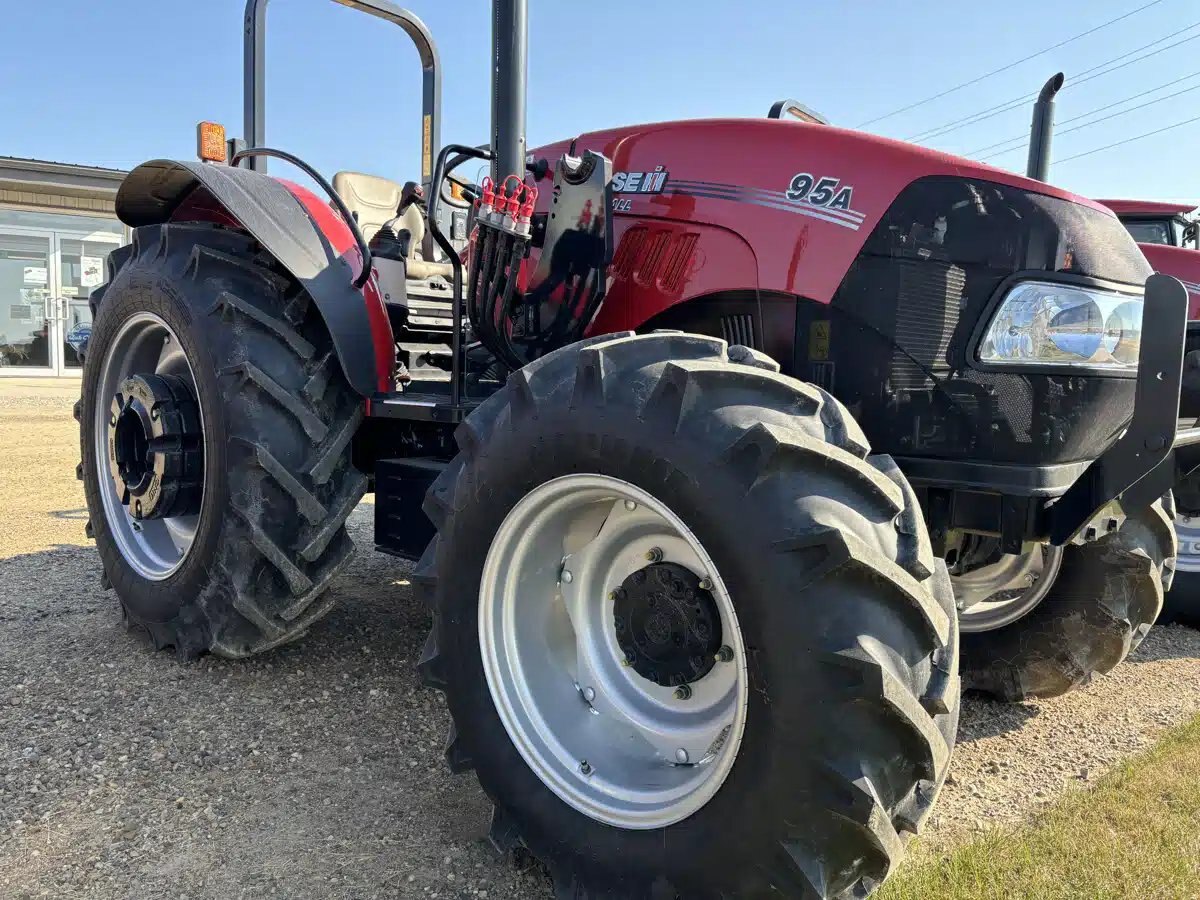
<point x="28" y="313"/>
<point x="81" y="259"/>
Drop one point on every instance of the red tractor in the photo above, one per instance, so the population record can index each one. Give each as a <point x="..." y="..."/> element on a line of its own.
<point x="705" y="448"/>
<point x="1169" y="236"/>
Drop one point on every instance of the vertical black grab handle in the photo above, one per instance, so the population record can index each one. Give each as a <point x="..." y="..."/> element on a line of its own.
<point x="439" y="174"/>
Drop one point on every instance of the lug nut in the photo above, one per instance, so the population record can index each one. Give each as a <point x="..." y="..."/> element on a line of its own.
<point x="725" y="654"/>
<point x="567" y="577"/>
<point x="589" y="694"/>
<point x="681" y="755"/>
<point x="654" y="554"/>
<point x="706" y="583"/>
<point x="683" y="692"/>
<point x="630" y="505"/>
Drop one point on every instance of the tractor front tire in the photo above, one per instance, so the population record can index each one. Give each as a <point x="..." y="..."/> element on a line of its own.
<point x="844" y="650"/>
<point x="259" y="426"/>
<point x="1107" y="595"/>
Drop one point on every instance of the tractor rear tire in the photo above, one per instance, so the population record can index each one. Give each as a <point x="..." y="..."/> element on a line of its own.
<point x="846" y="617"/>
<point x="276" y="420"/>
<point x="1107" y="595"/>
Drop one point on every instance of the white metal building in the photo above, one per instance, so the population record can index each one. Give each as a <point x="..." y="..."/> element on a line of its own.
<point x="57" y="225"/>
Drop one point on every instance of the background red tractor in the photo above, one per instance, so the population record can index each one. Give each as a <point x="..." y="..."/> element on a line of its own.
<point x="704" y="454"/>
<point x="1169" y="236"/>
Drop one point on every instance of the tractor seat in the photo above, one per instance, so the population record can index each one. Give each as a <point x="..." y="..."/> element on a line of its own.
<point x="373" y="202"/>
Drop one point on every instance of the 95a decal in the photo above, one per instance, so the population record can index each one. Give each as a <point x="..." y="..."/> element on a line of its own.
<point x="824" y="190"/>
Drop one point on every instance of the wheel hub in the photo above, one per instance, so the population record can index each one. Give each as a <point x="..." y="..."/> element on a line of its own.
<point x="155" y="451"/>
<point x="621" y="722"/>
<point x="667" y="625"/>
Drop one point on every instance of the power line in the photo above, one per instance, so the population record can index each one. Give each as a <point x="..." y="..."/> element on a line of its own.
<point x="1011" y="65"/>
<point x="1085" y="76"/>
<point x="1024" y="137"/>
<point x="1101" y="119"/>
<point x="982" y="115"/>
<point x="1128" y="140"/>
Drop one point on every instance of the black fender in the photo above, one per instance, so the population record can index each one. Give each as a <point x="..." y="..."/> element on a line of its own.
<point x="277" y="219"/>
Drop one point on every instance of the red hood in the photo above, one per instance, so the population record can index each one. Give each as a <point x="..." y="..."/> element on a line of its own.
<point x="904" y="162"/>
<point x="1148" y="207"/>
<point x="705" y="163"/>
<point x="1180" y="263"/>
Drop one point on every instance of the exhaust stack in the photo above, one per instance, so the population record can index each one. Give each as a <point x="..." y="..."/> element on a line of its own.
<point x="1041" y="130"/>
<point x="510" y="59"/>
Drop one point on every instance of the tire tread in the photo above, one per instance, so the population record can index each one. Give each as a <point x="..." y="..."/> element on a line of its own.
<point x="236" y="291"/>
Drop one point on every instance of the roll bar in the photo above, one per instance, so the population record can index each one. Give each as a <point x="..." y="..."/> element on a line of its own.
<point x="255" y="131"/>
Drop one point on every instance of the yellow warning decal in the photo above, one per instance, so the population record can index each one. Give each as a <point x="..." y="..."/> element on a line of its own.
<point x="426" y="151"/>
<point x="818" y="341"/>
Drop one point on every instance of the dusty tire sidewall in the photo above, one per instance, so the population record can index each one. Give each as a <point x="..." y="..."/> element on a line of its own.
<point x="135" y="290"/>
<point x="617" y="444"/>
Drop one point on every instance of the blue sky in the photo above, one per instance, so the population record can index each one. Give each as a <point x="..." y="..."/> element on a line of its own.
<point x="117" y="82"/>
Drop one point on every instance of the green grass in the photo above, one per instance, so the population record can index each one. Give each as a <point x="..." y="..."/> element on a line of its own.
<point x="1135" y="835"/>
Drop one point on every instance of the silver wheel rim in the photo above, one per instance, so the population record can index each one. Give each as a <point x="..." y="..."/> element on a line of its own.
<point x="616" y="746"/>
<point x="1002" y="592"/>
<point x="154" y="548"/>
<point x="1187" y="530"/>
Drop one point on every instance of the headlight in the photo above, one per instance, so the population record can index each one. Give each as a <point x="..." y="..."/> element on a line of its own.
<point x="1042" y="323"/>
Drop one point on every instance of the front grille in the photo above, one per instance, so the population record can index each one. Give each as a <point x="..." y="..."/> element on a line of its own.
<point x="928" y="301"/>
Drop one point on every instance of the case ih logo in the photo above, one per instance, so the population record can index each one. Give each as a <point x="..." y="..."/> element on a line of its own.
<point x="640" y="182"/>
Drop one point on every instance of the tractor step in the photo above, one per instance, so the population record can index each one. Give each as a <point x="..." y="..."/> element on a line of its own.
<point x="401" y="527"/>
<point x="424" y="404"/>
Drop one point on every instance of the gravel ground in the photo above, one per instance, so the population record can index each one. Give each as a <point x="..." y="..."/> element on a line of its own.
<point x="316" y="771"/>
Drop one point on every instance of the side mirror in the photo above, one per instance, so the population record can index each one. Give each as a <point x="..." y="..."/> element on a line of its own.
<point x="1191" y="234"/>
